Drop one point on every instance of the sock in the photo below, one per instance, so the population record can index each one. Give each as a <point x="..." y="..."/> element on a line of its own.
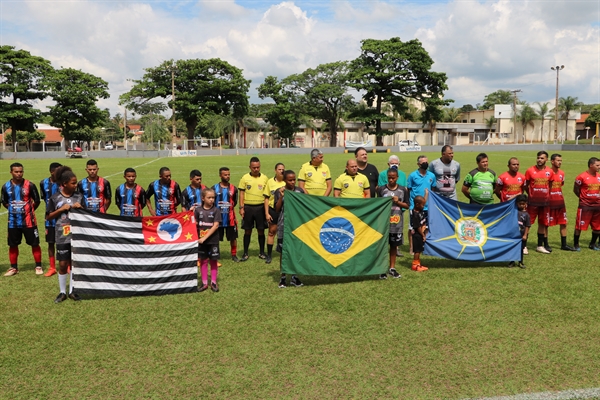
<point x="261" y="243"/>
<point x="563" y="241"/>
<point x="540" y="239"/>
<point x="13" y="255"/>
<point x="52" y="262"/>
<point x="37" y="255"/>
<point x="246" y="243"/>
<point x="546" y="241"/>
<point x="214" y="271"/>
<point x="70" y="281"/>
<point x="62" y="283"/>
<point x="575" y="240"/>
<point x="234" y="250"/>
<point x="524" y="244"/>
<point x="269" y="249"/>
<point x="204" y="271"/>
<point x="283" y="276"/>
<point x="594" y="238"/>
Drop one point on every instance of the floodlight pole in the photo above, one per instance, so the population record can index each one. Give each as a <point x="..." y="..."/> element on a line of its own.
<point x="557" y="69"/>
<point x="174" y="134"/>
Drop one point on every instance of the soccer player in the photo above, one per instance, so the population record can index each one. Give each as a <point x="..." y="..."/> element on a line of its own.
<point x="351" y="184"/>
<point x="48" y="187"/>
<point x="271" y="215"/>
<point x="289" y="178"/>
<point x="368" y="170"/>
<point x="21" y="198"/>
<point x="208" y="217"/>
<point x="58" y="208"/>
<point x="130" y="197"/>
<point x="393" y="163"/>
<point x="314" y="176"/>
<point x="399" y="196"/>
<point x="557" y="212"/>
<point x="251" y="187"/>
<point x="226" y="200"/>
<point x="447" y="173"/>
<point x="510" y="183"/>
<point x="537" y="186"/>
<point x="95" y="189"/>
<point x="192" y="195"/>
<point x="166" y="192"/>
<point x="480" y="183"/>
<point x="587" y="188"/>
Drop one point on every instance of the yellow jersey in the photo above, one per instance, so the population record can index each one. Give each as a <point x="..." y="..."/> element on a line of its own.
<point x="352" y="187"/>
<point x="253" y="188"/>
<point x="314" y="178"/>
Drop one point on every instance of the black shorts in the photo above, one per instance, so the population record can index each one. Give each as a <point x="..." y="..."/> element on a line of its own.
<point x="32" y="236"/>
<point x="63" y="252"/>
<point x="51" y="234"/>
<point x="396" y="239"/>
<point x="230" y="232"/>
<point x="274" y="216"/>
<point x="418" y="244"/>
<point x="209" y="251"/>
<point x="254" y="215"/>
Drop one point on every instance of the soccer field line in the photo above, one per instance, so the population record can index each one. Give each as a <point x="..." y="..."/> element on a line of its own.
<point x="591" y="393"/>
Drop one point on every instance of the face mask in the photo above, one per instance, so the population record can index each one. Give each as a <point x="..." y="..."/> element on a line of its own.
<point x="393" y="166"/>
<point x="424" y="165"/>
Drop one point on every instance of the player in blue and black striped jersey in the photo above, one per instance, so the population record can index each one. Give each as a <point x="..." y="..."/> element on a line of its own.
<point x="166" y="192"/>
<point x="48" y="187"/>
<point x="95" y="189"/>
<point x="226" y="199"/>
<point x="129" y="196"/>
<point x="191" y="196"/>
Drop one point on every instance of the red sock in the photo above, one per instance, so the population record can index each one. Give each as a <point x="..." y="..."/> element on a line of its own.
<point x="37" y="255"/>
<point x="52" y="262"/>
<point x="234" y="250"/>
<point x="13" y="255"/>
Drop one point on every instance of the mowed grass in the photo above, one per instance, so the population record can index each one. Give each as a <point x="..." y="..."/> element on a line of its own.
<point x="459" y="330"/>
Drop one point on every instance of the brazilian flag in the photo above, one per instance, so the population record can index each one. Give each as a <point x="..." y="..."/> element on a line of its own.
<point x="334" y="236"/>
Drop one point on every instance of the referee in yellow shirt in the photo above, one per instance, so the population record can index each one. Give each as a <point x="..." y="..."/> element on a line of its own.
<point x="252" y="200"/>
<point x="314" y="176"/>
<point x="352" y="184"/>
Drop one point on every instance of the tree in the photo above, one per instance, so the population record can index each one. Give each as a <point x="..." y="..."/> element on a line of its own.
<point x="568" y="104"/>
<point x="155" y="128"/>
<point x="392" y="70"/>
<point x="286" y="114"/>
<point x="497" y="97"/>
<point x="201" y="87"/>
<point x="526" y="117"/>
<point x="544" y="111"/>
<point x="467" y="108"/>
<point x="489" y="122"/>
<point x="431" y="115"/>
<point x="452" y="114"/>
<point x="24" y="137"/>
<point x="23" y="80"/>
<point x="75" y="112"/>
<point x="593" y="118"/>
<point x="322" y="93"/>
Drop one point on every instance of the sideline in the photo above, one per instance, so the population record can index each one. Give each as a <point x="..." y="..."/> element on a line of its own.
<point x="591" y="393"/>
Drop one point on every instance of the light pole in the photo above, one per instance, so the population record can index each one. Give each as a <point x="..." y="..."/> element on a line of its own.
<point x="173" y="68"/>
<point x="557" y="69"/>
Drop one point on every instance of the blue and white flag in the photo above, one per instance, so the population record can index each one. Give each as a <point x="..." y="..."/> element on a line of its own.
<point x="473" y="232"/>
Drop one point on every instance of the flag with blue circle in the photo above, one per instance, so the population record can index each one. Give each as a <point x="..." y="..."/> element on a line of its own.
<point x="473" y="232"/>
<point x="334" y="236"/>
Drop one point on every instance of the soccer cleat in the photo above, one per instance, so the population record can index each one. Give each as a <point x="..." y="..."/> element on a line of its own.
<point x="268" y="260"/>
<point x="219" y="265"/>
<point x="525" y="251"/>
<point x="262" y="256"/>
<point x="39" y="271"/>
<point x="394" y="273"/>
<point x="235" y="259"/>
<point x="548" y="248"/>
<point x="594" y="247"/>
<point x="383" y="276"/>
<point x="202" y="288"/>
<point x="74" y="296"/>
<point x="214" y="287"/>
<point x="60" y="298"/>
<point x="296" y="281"/>
<point x="511" y="264"/>
<point x="282" y="284"/>
<point x="421" y="268"/>
<point x="398" y="254"/>
<point x="542" y="249"/>
<point x="245" y="257"/>
<point x="521" y="265"/>
<point x="11" y="272"/>
<point x="50" y="272"/>
<point x="567" y="248"/>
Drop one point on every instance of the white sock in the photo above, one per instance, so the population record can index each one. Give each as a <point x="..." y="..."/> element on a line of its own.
<point x="62" y="283"/>
<point x="71" y="281"/>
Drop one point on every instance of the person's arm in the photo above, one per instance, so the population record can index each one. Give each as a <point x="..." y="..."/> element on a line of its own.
<point x="367" y="193"/>
<point x="208" y="234"/>
<point x="177" y="195"/>
<point x="149" y="194"/>
<point x="266" y="206"/>
<point x="336" y="192"/>
<point x="35" y="196"/>
<point x="279" y="199"/>
<point x="498" y="189"/>
<point x="58" y="211"/>
<point x="576" y="188"/>
<point x="118" y="198"/>
<point x="107" y="195"/>
<point x="242" y="198"/>
<point x="466" y="191"/>
<point x="185" y="201"/>
<point x="328" y="190"/>
<point x="301" y="184"/>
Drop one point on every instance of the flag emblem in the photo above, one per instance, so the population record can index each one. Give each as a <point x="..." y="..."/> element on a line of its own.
<point x="169" y="229"/>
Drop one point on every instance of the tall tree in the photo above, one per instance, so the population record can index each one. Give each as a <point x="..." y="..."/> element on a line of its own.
<point x="526" y="117"/>
<point x="23" y="80"/>
<point x="543" y="112"/>
<point x="75" y="112"/>
<point x="566" y="105"/>
<point x="286" y="114"/>
<point x="392" y="70"/>
<point x="593" y="118"/>
<point x="201" y="87"/>
<point x="452" y="114"/>
<point x="497" y="97"/>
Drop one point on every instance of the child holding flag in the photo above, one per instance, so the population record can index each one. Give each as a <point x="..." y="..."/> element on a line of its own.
<point x="208" y="218"/>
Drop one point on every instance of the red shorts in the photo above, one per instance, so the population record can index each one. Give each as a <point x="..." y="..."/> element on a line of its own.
<point x="557" y="216"/>
<point x="535" y="211"/>
<point x="586" y="218"/>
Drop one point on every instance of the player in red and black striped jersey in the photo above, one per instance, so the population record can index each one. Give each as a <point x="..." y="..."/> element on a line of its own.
<point x="129" y="196"/>
<point x="587" y="188"/>
<point x="95" y="189"/>
<point x="21" y="198"/>
<point x="226" y="199"/>
<point x="557" y="212"/>
<point x="537" y="185"/>
<point x="166" y="192"/>
<point x="191" y="196"/>
<point x="48" y="187"/>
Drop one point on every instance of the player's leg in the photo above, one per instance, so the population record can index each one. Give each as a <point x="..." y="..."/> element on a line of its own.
<point x="14" y="240"/>
<point x="32" y="238"/>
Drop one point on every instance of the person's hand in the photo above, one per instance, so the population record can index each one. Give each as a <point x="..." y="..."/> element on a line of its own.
<point x="395" y="199"/>
<point x="77" y="205"/>
<point x="242" y="212"/>
<point x="282" y="190"/>
<point x="269" y="218"/>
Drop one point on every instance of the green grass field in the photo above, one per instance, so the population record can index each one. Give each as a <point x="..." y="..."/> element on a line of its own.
<point x="458" y="330"/>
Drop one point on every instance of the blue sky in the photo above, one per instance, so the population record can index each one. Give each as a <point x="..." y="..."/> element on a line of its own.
<point x="481" y="45"/>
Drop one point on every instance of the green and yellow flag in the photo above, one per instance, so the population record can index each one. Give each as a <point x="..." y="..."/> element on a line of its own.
<point x="334" y="236"/>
